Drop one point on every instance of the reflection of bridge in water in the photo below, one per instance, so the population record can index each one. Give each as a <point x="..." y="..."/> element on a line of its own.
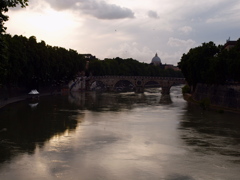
<point x="117" y="101"/>
<point x="138" y="83"/>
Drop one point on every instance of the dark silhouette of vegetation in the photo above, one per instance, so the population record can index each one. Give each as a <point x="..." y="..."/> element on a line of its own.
<point x="186" y="89"/>
<point x="28" y="64"/>
<point x="211" y="64"/>
<point x="129" y="67"/>
<point x="31" y="64"/>
<point x="4" y="6"/>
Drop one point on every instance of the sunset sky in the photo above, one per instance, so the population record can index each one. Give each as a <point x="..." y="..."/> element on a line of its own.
<point x="128" y="28"/>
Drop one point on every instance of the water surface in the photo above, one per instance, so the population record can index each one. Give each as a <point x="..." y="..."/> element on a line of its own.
<point x="116" y="136"/>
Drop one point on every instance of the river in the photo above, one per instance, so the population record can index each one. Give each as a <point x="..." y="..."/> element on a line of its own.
<point x="117" y="136"/>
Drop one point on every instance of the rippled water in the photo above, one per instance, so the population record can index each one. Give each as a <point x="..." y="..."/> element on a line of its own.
<point x="109" y="136"/>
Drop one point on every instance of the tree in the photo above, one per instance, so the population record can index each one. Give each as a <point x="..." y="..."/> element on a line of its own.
<point x="31" y="64"/>
<point x="195" y="64"/>
<point x="234" y="62"/>
<point x="211" y="64"/>
<point x="4" y="5"/>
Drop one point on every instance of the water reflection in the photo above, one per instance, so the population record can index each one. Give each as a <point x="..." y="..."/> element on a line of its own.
<point x="31" y="124"/>
<point x="166" y="99"/>
<point x="27" y="129"/>
<point x="118" y="101"/>
<point x="117" y="136"/>
<point x="33" y="105"/>
<point x="105" y="101"/>
<point x="178" y="177"/>
<point x="211" y="132"/>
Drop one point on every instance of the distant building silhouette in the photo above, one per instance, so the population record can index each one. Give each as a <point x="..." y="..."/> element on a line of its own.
<point x="88" y="56"/>
<point x="171" y="66"/>
<point x="229" y="44"/>
<point x="156" y="61"/>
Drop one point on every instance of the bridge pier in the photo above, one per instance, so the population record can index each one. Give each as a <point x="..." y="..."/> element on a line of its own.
<point x="166" y="90"/>
<point x="139" y="89"/>
<point x="110" y="88"/>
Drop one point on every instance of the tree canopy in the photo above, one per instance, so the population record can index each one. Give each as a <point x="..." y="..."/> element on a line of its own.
<point x="31" y="63"/>
<point x="128" y="67"/>
<point x="211" y="64"/>
<point x="4" y="6"/>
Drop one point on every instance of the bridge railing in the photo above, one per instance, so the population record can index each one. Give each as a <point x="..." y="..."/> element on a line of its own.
<point x="136" y="77"/>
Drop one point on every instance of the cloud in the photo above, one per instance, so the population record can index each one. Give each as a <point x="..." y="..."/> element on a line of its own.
<point x="98" y="9"/>
<point x="216" y="20"/>
<point x="167" y="30"/>
<point x="102" y="10"/>
<point x="142" y="53"/>
<point x="214" y="11"/>
<point x="186" y="29"/>
<point x="174" y="42"/>
<point x="153" y="14"/>
<point x="131" y="50"/>
<point x="172" y="57"/>
<point x="62" y="4"/>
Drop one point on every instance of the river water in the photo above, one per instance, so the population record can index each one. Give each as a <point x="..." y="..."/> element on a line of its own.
<point x="117" y="136"/>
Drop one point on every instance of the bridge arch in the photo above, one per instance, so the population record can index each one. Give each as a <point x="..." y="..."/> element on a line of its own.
<point x="139" y="82"/>
<point x="123" y="85"/>
<point x="97" y="85"/>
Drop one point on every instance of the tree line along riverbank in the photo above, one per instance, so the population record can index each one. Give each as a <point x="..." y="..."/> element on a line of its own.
<point x="212" y="73"/>
<point x="29" y="64"/>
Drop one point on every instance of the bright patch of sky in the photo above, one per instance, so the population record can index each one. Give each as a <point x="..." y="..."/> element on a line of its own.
<point x="135" y="29"/>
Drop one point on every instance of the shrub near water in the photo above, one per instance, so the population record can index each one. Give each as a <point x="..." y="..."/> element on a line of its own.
<point x="186" y="89"/>
<point x="205" y="103"/>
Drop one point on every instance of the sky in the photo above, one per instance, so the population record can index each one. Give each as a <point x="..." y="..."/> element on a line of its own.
<point x="135" y="29"/>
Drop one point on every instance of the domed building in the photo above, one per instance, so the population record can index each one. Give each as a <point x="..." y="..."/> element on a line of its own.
<point x="156" y="61"/>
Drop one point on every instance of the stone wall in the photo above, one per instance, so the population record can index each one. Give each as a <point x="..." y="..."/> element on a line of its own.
<point x="227" y="96"/>
<point x="78" y="84"/>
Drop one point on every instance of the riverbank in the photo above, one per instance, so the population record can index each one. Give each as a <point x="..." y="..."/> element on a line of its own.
<point x="10" y="100"/>
<point x="4" y="102"/>
<point x="206" y="105"/>
<point x="16" y="94"/>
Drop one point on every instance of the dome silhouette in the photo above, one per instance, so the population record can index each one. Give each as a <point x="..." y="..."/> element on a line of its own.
<point x="156" y="60"/>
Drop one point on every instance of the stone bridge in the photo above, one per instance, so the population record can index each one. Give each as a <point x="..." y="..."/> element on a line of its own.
<point x="138" y="82"/>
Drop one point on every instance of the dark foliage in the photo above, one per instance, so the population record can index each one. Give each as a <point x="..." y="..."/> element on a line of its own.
<point x="4" y="6"/>
<point x="128" y="67"/>
<point x="211" y="64"/>
<point x="31" y="64"/>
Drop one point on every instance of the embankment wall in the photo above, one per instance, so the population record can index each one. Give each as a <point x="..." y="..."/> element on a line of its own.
<point x="226" y="96"/>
